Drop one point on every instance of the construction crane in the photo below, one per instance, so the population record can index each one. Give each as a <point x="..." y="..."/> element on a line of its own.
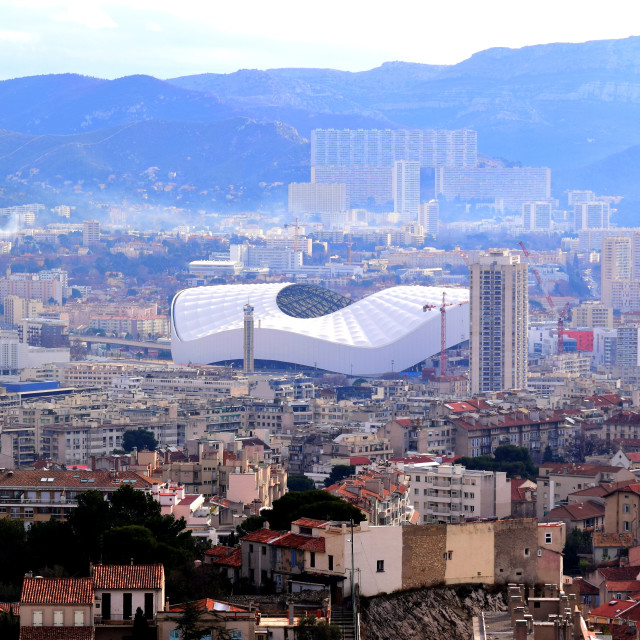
<point x="295" y="233"/>
<point x="443" y="331"/>
<point x="552" y="307"/>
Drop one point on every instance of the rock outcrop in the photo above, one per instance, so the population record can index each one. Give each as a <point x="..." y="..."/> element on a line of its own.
<point x="428" y="614"/>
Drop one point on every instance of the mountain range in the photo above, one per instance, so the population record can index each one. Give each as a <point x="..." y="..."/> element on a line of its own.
<point x="233" y="141"/>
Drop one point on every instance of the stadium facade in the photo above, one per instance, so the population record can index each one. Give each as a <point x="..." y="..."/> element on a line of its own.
<point x="314" y="327"/>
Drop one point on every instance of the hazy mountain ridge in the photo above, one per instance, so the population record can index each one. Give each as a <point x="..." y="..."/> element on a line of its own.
<point x="566" y="106"/>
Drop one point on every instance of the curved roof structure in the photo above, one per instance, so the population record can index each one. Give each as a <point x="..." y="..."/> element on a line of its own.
<point x="298" y="324"/>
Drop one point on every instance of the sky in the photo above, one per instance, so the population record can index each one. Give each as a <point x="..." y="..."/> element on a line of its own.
<point x="114" y="38"/>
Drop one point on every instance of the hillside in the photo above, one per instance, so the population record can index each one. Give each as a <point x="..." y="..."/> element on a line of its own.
<point x="572" y="107"/>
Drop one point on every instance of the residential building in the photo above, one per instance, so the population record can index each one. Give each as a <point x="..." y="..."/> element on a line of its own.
<point x="499" y="306"/>
<point x="591" y="215"/>
<point x="16" y="308"/>
<point x="315" y="197"/>
<point x="406" y="189"/>
<point x="121" y="589"/>
<point x="452" y="493"/>
<point x="429" y="217"/>
<point x="33" y="496"/>
<point x="559" y="479"/>
<point x="56" y="608"/>
<point x="90" y="233"/>
<point x="508" y="188"/>
<point x="594" y="315"/>
<point x="584" y="516"/>
<point x="536" y="216"/>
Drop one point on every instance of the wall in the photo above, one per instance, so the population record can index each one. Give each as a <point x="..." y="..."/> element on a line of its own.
<point x="423" y="548"/>
<point x="511" y="540"/>
<point x="370" y="546"/>
<point x="470" y="553"/>
<point x="26" y="614"/>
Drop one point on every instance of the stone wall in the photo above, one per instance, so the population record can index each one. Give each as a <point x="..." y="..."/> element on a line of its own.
<point x="516" y="551"/>
<point x="423" y="555"/>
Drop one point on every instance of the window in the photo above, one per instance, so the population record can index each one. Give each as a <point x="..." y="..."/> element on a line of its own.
<point x="312" y="559"/>
<point x="174" y="634"/>
<point x="58" y="618"/>
<point x="626" y="508"/>
<point x="380" y="566"/>
<point x="250" y="548"/>
<point x="548" y="538"/>
<point x="236" y="634"/>
<point x="330" y="563"/>
<point x="148" y="606"/>
<point x="539" y="553"/>
<point x="627" y="525"/>
<point x="264" y="551"/>
<point x="37" y="618"/>
<point x="526" y="552"/>
<point x="78" y="618"/>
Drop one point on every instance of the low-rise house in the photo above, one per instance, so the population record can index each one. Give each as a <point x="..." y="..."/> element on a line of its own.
<point x="584" y="516"/>
<point x="56" y="608"/>
<point x="523" y="498"/>
<point x="121" y="589"/>
<point x="611" y="546"/>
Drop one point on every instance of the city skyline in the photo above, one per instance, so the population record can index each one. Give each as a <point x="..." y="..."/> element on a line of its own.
<point x="111" y="38"/>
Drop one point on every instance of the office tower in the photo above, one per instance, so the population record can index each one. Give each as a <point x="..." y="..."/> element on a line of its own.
<point x="591" y="215"/>
<point x="90" y="232"/>
<point x="499" y="305"/>
<point x="430" y="217"/>
<point x="309" y="197"/>
<point x="536" y="216"/>
<point x="247" y="362"/>
<point x="508" y="188"/>
<point x="405" y="181"/>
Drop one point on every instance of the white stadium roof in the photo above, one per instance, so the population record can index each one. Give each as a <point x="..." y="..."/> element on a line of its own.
<point x="362" y="338"/>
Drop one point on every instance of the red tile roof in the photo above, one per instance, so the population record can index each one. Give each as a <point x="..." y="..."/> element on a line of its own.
<point x="208" y="604"/>
<point x="56" y="633"/>
<point x="359" y="460"/>
<point x="404" y="422"/>
<point x="519" y="494"/>
<point x="128" y="576"/>
<point x="5" y="607"/>
<point x="585" y="587"/>
<point x="310" y="522"/>
<point x="297" y="541"/>
<point x="219" y="551"/>
<point x="601" y="539"/>
<point x="57" y="591"/>
<point x="577" y="511"/>
<point x="71" y="479"/>
<point x="262" y="535"/>
<point x="234" y="559"/>
<point x="623" y="585"/>
<point x="619" y="573"/>
<point x="612" y="609"/>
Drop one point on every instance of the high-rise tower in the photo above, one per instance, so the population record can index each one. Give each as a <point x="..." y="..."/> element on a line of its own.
<point x="247" y="362"/>
<point x="499" y="306"/>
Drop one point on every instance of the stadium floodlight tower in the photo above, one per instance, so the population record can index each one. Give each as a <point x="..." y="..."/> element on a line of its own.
<point x="247" y="363"/>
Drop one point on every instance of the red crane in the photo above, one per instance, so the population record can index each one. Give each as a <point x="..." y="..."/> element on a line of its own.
<point x="552" y="307"/>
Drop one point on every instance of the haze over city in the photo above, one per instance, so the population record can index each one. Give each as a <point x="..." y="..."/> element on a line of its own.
<point x="319" y="322"/>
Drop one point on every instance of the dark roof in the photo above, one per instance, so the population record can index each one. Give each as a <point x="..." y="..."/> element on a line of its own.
<point x="619" y="573"/>
<point x="48" y="479"/>
<point x="57" y="591"/>
<point x="577" y="511"/>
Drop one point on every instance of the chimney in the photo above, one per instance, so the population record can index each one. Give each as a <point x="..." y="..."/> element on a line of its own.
<point x="166" y="604"/>
<point x="521" y="630"/>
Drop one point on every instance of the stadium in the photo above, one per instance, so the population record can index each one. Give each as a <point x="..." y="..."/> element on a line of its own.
<point x="310" y="326"/>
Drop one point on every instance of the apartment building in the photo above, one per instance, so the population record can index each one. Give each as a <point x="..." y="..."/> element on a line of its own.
<point x="452" y="493"/>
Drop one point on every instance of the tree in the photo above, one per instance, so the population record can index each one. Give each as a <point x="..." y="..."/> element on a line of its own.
<point x="547" y="455"/>
<point x="310" y="628"/>
<point x="316" y="504"/>
<point x="252" y="523"/>
<point x="190" y="623"/>
<point x="515" y="461"/>
<point x="339" y="472"/>
<point x="140" y="626"/>
<point x="300" y="482"/>
<point x="578" y="542"/>
<point x="9" y="625"/>
<point x="142" y="439"/>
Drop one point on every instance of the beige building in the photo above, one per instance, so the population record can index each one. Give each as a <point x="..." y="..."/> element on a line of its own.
<point x="452" y="493"/>
<point x="16" y="308"/>
<point x="499" y="307"/>
<point x="592" y="314"/>
<point x="620" y="273"/>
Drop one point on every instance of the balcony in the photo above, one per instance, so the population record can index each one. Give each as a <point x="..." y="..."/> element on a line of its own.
<point x="118" y="620"/>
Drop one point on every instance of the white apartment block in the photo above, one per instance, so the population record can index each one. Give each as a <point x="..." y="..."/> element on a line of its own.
<point x="591" y="215"/>
<point x="452" y="493"/>
<point x="429" y="217"/>
<point x="536" y="216"/>
<point x="314" y="197"/>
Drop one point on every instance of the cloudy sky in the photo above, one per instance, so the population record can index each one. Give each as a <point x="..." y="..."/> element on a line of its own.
<point x="113" y="38"/>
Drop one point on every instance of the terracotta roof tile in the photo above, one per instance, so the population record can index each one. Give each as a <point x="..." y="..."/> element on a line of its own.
<point x="14" y="607"/>
<point x="262" y="535"/>
<point x="297" y="541"/>
<point x="71" y="479"/>
<point x="128" y="576"/>
<point x="620" y="573"/>
<point x="310" y="522"/>
<point x="234" y="559"/>
<point x="56" y="633"/>
<point x="57" y="591"/>
<point x="612" y="609"/>
<point x="601" y="539"/>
